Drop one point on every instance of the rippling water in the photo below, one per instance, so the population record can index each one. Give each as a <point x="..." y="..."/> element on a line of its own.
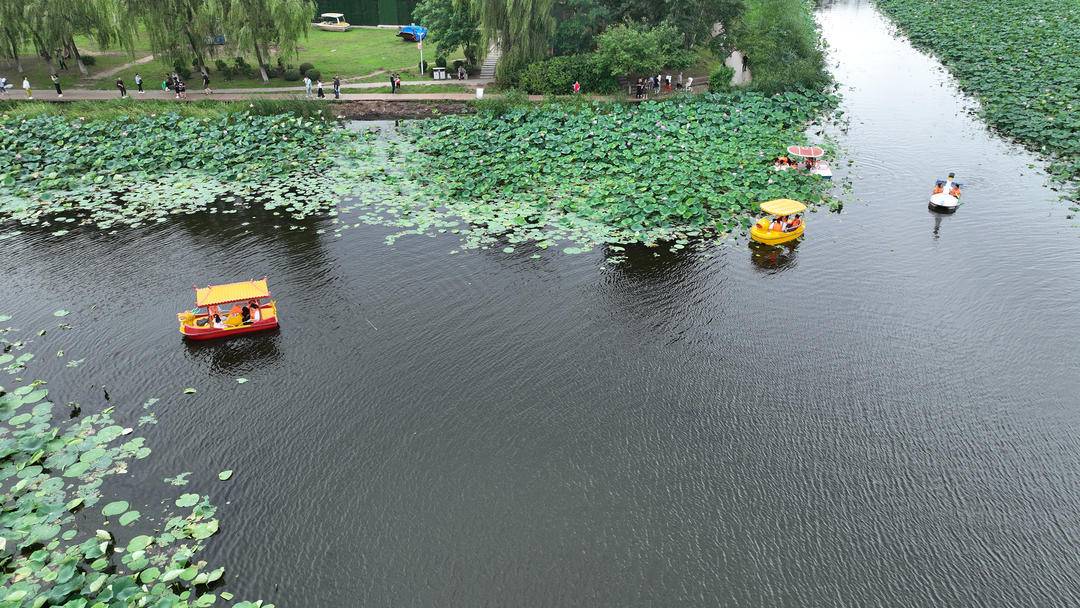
<point x="885" y="414"/>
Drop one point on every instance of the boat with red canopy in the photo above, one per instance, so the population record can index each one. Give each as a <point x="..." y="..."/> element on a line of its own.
<point x="812" y="163"/>
<point x="251" y="310"/>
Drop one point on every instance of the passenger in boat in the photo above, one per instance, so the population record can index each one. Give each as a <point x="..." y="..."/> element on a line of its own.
<point x="794" y="224"/>
<point x="245" y="315"/>
<point x="778" y="224"/>
<point x="256" y="314"/>
<point x="783" y="161"/>
<point x="218" y="324"/>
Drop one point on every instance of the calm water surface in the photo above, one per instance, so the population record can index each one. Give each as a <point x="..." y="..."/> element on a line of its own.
<point x="884" y="415"/>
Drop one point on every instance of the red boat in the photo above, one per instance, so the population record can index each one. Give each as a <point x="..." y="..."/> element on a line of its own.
<point x="252" y="310"/>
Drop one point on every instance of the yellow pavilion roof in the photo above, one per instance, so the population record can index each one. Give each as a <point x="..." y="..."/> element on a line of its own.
<point x="231" y="292"/>
<point x="783" y="206"/>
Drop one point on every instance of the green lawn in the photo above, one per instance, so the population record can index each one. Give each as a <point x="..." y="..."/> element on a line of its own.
<point x="351" y="55"/>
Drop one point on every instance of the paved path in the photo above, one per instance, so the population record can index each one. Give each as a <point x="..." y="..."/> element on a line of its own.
<point x="241" y="94"/>
<point x="194" y="92"/>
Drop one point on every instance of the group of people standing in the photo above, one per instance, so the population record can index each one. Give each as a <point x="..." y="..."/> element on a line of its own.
<point x="395" y="82"/>
<point x="661" y="83"/>
<point x="316" y="86"/>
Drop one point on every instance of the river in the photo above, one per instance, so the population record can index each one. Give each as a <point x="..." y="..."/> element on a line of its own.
<point x="884" y="415"/>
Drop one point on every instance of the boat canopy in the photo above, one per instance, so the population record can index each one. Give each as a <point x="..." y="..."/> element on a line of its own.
<point x="231" y="292"/>
<point x="783" y="206"/>
<point x="806" y="151"/>
<point x="331" y="16"/>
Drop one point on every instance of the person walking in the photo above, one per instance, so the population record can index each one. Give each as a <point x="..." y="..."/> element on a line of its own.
<point x="181" y="88"/>
<point x="397" y="83"/>
<point x="138" y="82"/>
<point x="206" y="84"/>
<point x="26" y="87"/>
<point x="319" y="89"/>
<point x="393" y="83"/>
<point x="307" y="86"/>
<point x="56" y="83"/>
<point x="120" y="87"/>
<point x="3" y="86"/>
<point x="337" y="87"/>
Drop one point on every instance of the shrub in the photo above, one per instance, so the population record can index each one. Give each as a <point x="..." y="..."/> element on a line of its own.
<point x="423" y="67"/>
<point x="89" y="60"/>
<point x="458" y="63"/>
<point x="242" y="66"/>
<point x="630" y="49"/>
<point x="304" y="67"/>
<point x="720" y="78"/>
<point x="556" y="76"/>
<point x="292" y="75"/>
<point x="181" y="69"/>
<point x="440" y="61"/>
<point x="781" y="41"/>
<point x="313" y="74"/>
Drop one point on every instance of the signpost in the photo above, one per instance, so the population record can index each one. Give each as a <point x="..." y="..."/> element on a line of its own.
<point x="421" y="33"/>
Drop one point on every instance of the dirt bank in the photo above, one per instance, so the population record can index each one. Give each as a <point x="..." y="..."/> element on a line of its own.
<point x="392" y="110"/>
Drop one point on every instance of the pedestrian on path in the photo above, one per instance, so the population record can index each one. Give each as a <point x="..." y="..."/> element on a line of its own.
<point x="181" y="88"/>
<point x="577" y="88"/>
<point x="397" y="83"/>
<point x="461" y="73"/>
<point x="120" y="87"/>
<point x="138" y="82"/>
<point x="337" y="87"/>
<point x="56" y="83"/>
<point x="307" y="87"/>
<point x="206" y="84"/>
<point x="26" y="87"/>
<point x="393" y="83"/>
<point x="319" y="89"/>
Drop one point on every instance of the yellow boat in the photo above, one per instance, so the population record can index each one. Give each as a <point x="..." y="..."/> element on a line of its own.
<point x="783" y="207"/>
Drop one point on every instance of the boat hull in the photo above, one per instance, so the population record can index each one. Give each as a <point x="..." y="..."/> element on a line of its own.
<point x="771" y="237"/>
<point x="212" y="333"/>
<point x="943" y="203"/>
<point x="332" y="28"/>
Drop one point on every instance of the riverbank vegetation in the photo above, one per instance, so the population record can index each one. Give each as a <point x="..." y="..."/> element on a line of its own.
<point x="578" y="173"/>
<point x="601" y="43"/>
<point x="61" y="543"/>
<point x="64" y="170"/>
<point x="239" y="43"/>
<point x="1019" y="57"/>
<point x="618" y="173"/>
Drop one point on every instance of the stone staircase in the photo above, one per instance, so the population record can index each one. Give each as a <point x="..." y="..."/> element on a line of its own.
<point x="487" y="70"/>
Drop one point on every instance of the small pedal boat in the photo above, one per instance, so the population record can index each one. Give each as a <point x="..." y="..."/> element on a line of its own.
<point x="780" y="229"/>
<point x="210" y="319"/>
<point x="812" y="164"/>
<point x="945" y="197"/>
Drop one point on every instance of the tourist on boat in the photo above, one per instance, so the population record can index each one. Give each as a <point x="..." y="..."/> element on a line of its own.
<point x="245" y="315"/>
<point x="795" y="222"/>
<point x="218" y="324"/>
<point x="256" y="314"/>
<point x="778" y="223"/>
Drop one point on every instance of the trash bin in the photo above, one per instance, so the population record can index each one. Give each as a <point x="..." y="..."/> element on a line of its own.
<point x="479" y="92"/>
<point x="438" y="73"/>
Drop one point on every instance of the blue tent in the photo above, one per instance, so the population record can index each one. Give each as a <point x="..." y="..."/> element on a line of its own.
<point x="412" y="33"/>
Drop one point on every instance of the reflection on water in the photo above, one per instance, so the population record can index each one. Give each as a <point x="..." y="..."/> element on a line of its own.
<point x="236" y="356"/>
<point x="773" y="258"/>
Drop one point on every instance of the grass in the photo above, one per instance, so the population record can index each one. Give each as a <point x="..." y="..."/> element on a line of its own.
<point x="353" y="54"/>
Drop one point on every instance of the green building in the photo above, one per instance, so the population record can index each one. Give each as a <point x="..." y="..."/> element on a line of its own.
<point x="371" y="12"/>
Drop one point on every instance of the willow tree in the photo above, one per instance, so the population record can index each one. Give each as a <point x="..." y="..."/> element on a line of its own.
<point x="54" y="24"/>
<point x="13" y="30"/>
<point x="523" y="30"/>
<point x="253" y="26"/>
<point x="181" y="30"/>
